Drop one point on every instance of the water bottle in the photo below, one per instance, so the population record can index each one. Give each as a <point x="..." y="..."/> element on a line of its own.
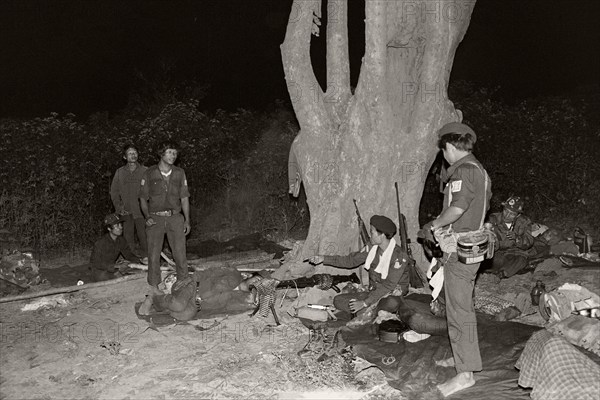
<point x="536" y="292"/>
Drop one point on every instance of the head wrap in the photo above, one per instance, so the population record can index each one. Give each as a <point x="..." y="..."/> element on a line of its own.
<point x="383" y="224"/>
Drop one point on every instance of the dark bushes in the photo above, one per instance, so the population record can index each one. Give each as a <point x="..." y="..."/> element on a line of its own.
<point x="56" y="171"/>
<point x="545" y="149"/>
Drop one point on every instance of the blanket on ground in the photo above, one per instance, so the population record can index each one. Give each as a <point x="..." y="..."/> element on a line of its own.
<point x="556" y="369"/>
<point x="411" y="368"/>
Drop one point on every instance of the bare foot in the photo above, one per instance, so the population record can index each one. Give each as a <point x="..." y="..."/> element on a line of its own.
<point x="146" y="306"/>
<point x="448" y="362"/>
<point x="459" y="382"/>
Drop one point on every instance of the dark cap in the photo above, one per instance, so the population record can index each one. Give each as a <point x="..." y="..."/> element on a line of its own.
<point x="383" y="224"/>
<point x="112" y="219"/>
<point x="514" y="204"/>
<point x="458" y="128"/>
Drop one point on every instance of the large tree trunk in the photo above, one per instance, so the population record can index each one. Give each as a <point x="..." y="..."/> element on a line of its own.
<point x="355" y="146"/>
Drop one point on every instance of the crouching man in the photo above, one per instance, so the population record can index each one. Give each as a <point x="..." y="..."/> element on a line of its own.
<point x="513" y="231"/>
<point x="386" y="262"/>
<point x="108" y="248"/>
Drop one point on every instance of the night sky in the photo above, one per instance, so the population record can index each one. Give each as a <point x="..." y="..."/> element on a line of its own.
<point x="83" y="56"/>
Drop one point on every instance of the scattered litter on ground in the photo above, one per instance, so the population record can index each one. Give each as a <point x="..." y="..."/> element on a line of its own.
<point x="413" y="337"/>
<point x="47" y="302"/>
<point x="580" y="331"/>
<point x="21" y="269"/>
<point x="569" y="298"/>
<point x="112" y="347"/>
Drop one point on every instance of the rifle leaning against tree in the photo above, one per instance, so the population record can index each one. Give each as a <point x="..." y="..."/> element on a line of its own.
<point x="364" y="233"/>
<point x="417" y="280"/>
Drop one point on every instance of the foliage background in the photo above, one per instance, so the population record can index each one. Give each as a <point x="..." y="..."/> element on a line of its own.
<point x="56" y="170"/>
<point x="543" y="149"/>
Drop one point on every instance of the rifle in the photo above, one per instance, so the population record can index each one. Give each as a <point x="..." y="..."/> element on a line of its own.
<point x="364" y="233"/>
<point x="417" y="280"/>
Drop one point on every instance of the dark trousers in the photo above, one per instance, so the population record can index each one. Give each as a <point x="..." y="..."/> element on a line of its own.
<point x="422" y="322"/>
<point x="173" y="227"/>
<point x="341" y="301"/>
<point x="133" y="227"/>
<point x="509" y="263"/>
<point x="459" y="282"/>
<point x="99" y="275"/>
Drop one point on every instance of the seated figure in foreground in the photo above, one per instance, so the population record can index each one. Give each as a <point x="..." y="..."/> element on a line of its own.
<point x="386" y="262"/>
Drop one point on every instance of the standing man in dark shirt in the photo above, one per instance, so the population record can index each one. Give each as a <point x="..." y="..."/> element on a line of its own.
<point x="108" y="248"/>
<point x="467" y="195"/>
<point x="164" y="196"/>
<point x="386" y="262"/>
<point x="124" y="192"/>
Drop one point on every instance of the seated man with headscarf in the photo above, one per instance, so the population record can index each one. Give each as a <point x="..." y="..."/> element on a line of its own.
<point x="386" y="262"/>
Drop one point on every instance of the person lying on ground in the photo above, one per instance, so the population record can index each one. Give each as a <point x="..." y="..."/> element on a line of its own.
<point x="108" y="248"/>
<point x="386" y="262"/>
<point x="513" y="230"/>
<point x="180" y="299"/>
<point x="321" y="281"/>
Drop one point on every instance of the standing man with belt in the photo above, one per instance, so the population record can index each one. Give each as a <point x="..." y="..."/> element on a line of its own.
<point x="164" y="196"/>
<point x="467" y="195"/>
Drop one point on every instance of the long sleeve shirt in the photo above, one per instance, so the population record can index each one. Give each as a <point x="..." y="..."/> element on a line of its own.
<point x="522" y="230"/>
<point x="397" y="273"/>
<point x="125" y="188"/>
<point x="106" y="251"/>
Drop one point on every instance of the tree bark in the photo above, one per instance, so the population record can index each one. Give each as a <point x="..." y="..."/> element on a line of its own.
<point x="355" y="146"/>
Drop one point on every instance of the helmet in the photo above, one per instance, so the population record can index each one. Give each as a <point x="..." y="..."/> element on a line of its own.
<point x="514" y="204"/>
<point x="112" y="219"/>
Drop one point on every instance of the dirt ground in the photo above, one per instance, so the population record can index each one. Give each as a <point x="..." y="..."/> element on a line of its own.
<point x="58" y="353"/>
<point x="66" y="351"/>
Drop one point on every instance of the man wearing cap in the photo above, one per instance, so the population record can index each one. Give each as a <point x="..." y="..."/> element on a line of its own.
<point x="124" y="191"/>
<point x="108" y="248"/>
<point x="164" y="201"/>
<point x="513" y="230"/>
<point x="386" y="262"/>
<point x="467" y="192"/>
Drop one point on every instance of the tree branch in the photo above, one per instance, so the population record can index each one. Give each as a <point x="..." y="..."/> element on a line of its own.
<point x="305" y="92"/>
<point x="338" y="64"/>
<point x="373" y="68"/>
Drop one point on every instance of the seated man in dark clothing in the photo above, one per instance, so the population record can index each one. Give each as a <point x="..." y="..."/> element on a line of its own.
<point x="108" y="248"/>
<point x="514" y="239"/>
<point x="386" y="262"/>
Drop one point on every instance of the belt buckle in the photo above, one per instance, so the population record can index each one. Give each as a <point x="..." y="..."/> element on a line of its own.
<point x="166" y="213"/>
